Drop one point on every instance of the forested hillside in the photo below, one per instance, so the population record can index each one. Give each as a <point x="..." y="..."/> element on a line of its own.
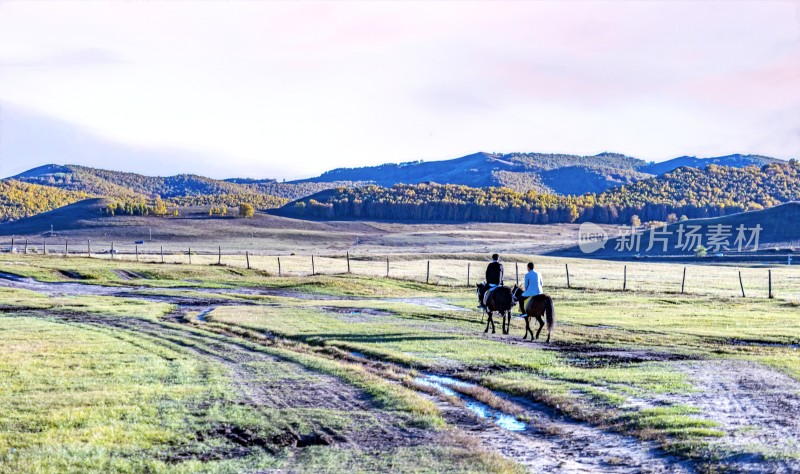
<point x="521" y="188"/>
<point x="543" y="172"/>
<point x="135" y="191"/>
<point x="122" y="185"/>
<point x="736" y="161"/>
<point x="19" y="199"/>
<point x="184" y="188"/>
<point x="714" y="191"/>
<point x="552" y="173"/>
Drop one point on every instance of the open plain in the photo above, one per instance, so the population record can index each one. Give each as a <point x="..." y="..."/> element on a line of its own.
<point x="122" y="362"/>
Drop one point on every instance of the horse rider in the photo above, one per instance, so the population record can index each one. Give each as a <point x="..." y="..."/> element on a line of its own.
<point x="494" y="276"/>
<point x="533" y="287"/>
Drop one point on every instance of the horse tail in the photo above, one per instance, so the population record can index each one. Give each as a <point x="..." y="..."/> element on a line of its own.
<point x="550" y="314"/>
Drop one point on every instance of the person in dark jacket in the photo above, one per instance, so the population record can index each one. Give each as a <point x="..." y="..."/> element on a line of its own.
<point x="494" y="272"/>
<point x="494" y="276"/>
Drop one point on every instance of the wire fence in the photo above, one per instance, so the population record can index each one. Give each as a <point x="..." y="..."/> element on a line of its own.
<point x="779" y="281"/>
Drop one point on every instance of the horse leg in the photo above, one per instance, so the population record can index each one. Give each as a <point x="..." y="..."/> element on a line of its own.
<point x="549" y="329"/>
<point x="527" y="328"/>
<point x="541" y="325"/>
<point x="506" y="321"/>
<point x="489" y="320"/>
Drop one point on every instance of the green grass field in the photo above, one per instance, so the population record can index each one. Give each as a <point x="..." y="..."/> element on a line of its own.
<point x="89" y="384"/>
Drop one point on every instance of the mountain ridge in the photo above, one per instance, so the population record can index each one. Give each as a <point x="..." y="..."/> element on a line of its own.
<point x="544" y="172"/>
<point x="713" y="191"/>
<point x="572" y="175"/>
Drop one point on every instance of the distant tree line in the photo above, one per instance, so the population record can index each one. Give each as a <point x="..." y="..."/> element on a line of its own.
<point x="686" y="192"/>
<point x="139" y="206"/>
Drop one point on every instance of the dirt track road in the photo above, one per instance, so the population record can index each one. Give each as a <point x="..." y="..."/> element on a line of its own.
<point x="754" y="404"/>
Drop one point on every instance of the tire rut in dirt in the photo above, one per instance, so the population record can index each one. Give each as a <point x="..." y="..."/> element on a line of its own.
<point x="756" y="406"/>
<point x="549" y="446"/>
<point x="264" y="381"/>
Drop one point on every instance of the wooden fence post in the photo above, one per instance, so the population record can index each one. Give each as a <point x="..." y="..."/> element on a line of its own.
<point x="769" y="273"/>
<point x="741" y="284"/>
<point x="279" y="266"/>
<point x="112" y="250"/>
<point x="516" y="270"/>
<point x="26" y="246"/>
<point x="44" y="249"/>
<point x="468" y="269"/>
<point x="247" y="257"/>
<point x="625" y="278"/>
<point x="137" y="252"/>
<point x="190" y="255"/>
<point x="348" y="262"/>
<point x="66" y="248"/>
<point x="387" y="267"/>
<point x="162" y="254"/>
<point x="313" y="269"/>
<point x="12" y="246"/>
<point x="89" y="248"/>
<point x="683" y="282"/>
<point x="219" y="256"/>
<point x="428" y="273"/>
<point x="566" y="265"/>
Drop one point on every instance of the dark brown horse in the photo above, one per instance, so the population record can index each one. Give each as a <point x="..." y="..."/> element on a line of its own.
<point x="541" y="305"/>
<point x="500" y="301"/>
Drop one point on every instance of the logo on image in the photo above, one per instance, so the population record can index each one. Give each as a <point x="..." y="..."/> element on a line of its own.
<point x="591" y="237"/>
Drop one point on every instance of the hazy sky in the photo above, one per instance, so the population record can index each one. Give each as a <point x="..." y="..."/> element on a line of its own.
<point x="279" y="89"/>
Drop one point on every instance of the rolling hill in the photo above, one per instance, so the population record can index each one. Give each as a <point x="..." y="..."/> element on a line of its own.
<point x="120" y="184"/>
<point x="751" y="187"/>
<point x="18" y="199"/>
<point x="179" y="190"/>
<point x="713" y="191"/>
<point x="560" y="174"/>
<point x="734" y="161"/>
<point x="549" y="173"/>
<point x="619" y="180"/>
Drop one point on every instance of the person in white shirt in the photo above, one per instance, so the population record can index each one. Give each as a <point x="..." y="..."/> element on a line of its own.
<point x="533" y="287"/>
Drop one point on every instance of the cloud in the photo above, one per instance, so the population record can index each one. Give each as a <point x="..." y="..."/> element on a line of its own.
<point x="28" y="139"/>
<point x="66" y="59"/>
<point x="284" y="89"/>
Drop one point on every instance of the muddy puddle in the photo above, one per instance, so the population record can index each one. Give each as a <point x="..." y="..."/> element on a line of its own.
<point x="445" y="384"/>
<point x="482" y="410"/>
<point x="356" y="315"/>
<point x="548" y="442"/>
<point x="433" y="303"/>
<point x="752" y="343"/>
<point x="81" y="288"/>
<point x="201" y="316"/>
<point x="59" y="288"/>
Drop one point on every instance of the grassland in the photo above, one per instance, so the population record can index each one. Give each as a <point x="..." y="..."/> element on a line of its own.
<point x="625" y="362"/>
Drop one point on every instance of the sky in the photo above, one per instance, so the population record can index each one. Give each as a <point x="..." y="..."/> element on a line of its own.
<point x="291" y="89"/>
